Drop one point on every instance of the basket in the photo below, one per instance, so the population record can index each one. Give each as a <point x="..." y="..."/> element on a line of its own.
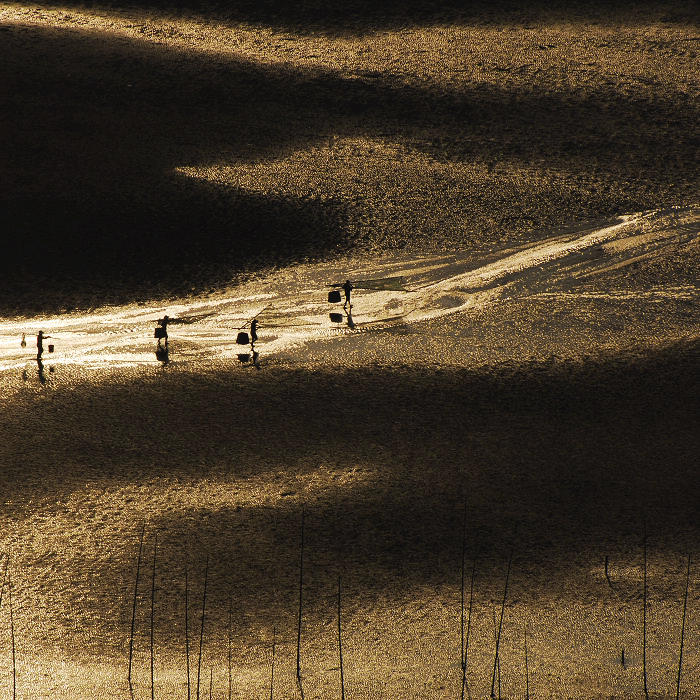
<point x="50" y="348"/>
<point x="334" y="296"/>
<point x="159" y="333"/>
<point x="242" y="338"/>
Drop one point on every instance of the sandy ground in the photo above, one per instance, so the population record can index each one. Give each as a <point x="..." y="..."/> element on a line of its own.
<point x="531" y="173"/>
<point x="561" y="414"/>
<point x="149" y="154"/>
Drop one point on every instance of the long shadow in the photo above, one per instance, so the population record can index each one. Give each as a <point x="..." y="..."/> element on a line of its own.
<point x="96" y="127"/>
<point x="364" y="16"/>
<point x="556" y="461"/>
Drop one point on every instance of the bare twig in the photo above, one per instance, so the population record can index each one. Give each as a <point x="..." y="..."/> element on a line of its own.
<point x="340" y="649"/>
<point x="153" y="601"/>
<point x="201" y="631"/>
<point x="500" y="627"/>
<point x="133" y="611"/>
<point x="680" y="654"/>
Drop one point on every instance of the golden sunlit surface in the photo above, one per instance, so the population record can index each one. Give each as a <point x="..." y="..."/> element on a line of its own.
<point x="521" y="407"/>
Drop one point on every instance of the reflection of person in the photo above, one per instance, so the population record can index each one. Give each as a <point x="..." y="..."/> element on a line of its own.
<point x="351" y="323"/>
<point x="162" y="353"/>
<point x="256" y="360"/>
<point x="42" y="378"/>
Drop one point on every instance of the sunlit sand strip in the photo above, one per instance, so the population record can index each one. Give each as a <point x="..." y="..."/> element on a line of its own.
<point x="679" y="293"/>
<point x="297" y="313"/>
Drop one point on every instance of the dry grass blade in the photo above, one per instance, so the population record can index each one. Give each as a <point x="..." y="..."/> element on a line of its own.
<point x="201" y="630"/>
<point x="187" y="633"/>
<point x="301" y="584"/>
<point x="153" y="608"/>
<point x="340" y="648"/>
<point x="500" y="627"/>
<point x="680" y="653"/>
<point x="133" y="611"/>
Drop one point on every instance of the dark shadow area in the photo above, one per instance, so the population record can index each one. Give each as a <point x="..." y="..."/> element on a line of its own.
<point x="95" y="211"/>
<point x="558" y="461"/>
<point x="364" y="16"/>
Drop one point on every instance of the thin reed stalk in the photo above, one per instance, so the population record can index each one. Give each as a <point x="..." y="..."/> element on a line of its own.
<point x="187" y="631"/>
<point x="461" y="607"/>
<point x="527" y="671"/>
<point x="340" y="648"/>
<point x="644" y="617"/>
<point x="4" y="576"/>
<point x="211" y="681"/>
<point x="133" y="610"/>
<point x="465" y="637"/>
<point x="498" y="658"/>
<point x="500" y="627"/>
<point x="680" y="653"/>
<point x="12" y="636"/>
<point x="301" y="585"/>
<point x="272" y="671"/>
<point x="230" y="615"/>
<point x="201" y="631"/>
<point x="153" y="607"/>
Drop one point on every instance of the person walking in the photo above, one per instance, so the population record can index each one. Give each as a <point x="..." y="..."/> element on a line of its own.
<point x="347" y="288"/>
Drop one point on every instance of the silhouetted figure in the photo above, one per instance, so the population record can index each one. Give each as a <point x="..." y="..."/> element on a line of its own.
<point x="347" y="288"/>
<point x="161" y="332"/>
<point x="253" y="330"/>
<point x="40" y="344"/>
<point x="24" y="341"/>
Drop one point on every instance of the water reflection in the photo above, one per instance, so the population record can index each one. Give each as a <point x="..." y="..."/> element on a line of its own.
<point x="340" y="317"/>
<point x="41" y="371"/>
<point x="163" y="353"/>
